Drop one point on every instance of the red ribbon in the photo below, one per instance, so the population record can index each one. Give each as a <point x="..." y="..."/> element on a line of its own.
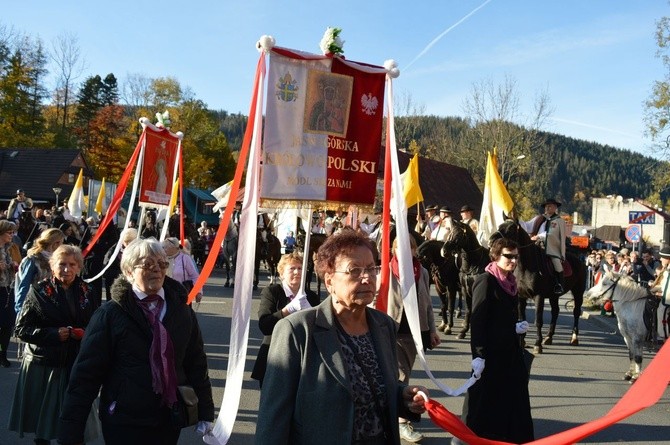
<point x="118" y="196"/>
<point x="241" y="163"/>
<point x="646" y="391"/>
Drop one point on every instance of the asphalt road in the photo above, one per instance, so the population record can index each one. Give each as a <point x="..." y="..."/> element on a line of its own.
<point x="569" y="385"/>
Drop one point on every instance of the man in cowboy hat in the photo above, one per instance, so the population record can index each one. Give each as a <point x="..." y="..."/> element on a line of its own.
<point x="468" y="217"/>
<point x="426" y="226"/>
<point x="551" y="229"/>
<point x="442" y="230"/>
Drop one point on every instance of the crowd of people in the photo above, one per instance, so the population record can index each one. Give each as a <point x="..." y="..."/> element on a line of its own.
<point x="89" y="369"/>
<point x="125" y="368"/>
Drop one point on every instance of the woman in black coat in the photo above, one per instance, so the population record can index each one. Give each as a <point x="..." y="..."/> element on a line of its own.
<point x="139" y="347"/>
<point x="498" y="405"/>
<point x="277" y="302"/>
<point x="52" y="322"/>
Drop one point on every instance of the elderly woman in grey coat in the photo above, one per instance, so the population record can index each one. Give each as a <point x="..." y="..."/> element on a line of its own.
<point x="332" y="372"/>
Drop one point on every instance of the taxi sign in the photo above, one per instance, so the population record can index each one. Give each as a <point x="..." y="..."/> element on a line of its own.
<point x="634" y="233"/>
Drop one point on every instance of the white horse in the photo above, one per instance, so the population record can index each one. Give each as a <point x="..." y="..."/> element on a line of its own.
<point x="629" y="301"/>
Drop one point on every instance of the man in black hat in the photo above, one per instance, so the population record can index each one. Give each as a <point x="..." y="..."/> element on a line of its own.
<point x="426" y="226"/>
<point x="442" y="230"/>
<point x="551" y="229"/>
<point x="468" y="217"/>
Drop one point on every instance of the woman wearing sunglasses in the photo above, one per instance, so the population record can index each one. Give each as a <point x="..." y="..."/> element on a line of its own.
<point x="497" y="406"/>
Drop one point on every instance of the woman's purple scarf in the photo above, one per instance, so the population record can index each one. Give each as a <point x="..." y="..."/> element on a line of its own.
<point x="506" y="280"/>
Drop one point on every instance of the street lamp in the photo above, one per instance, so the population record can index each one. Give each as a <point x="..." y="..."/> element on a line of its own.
<point x="57" y="191"/>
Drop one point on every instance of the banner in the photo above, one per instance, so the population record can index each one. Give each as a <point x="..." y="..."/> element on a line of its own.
<point x="323" y="129"/>
<point x="158" y="167"/>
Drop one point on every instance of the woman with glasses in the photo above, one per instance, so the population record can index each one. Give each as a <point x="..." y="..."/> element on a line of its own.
<point x="139" y="347"/>
<point x="279" y="301"/>
<point x="497" y="406"/>
<point x="332" y="372"/>
<point x="7" y="268"/>
<point x="52" y="322"/>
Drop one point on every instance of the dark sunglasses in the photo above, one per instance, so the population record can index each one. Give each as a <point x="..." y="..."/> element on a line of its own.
<point x="511" y="256"/>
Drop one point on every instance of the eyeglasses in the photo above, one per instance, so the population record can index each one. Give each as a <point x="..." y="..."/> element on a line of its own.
<point x="152" y="266"/>
<point x="356" y="272"/>
<point x="511" y="256"/>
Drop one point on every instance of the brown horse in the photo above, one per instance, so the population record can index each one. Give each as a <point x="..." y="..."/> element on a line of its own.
<point x="269" y="251"/>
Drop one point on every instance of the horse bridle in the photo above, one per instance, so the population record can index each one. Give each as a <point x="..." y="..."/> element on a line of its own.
<point x="612" y="287"/>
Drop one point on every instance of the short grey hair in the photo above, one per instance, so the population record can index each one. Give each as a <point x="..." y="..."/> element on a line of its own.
<point x="138" y="249"/>
<point x="66" y="250"/>
<point x="128" y="235"/>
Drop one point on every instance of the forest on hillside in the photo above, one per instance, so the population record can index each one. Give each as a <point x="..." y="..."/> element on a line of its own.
<point x="571" y="170"/>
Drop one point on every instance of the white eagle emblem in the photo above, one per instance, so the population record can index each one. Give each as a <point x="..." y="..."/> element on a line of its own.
<point x="369" y="103"/>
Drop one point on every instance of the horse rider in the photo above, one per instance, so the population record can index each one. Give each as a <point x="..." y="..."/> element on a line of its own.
<point x="550" y="229"/>
<point x="661" y="289"/>
<point x="17" y="205"/>
<point x="425" y="226"/>
<point x="445" y="225"/>
<point x="334" y="223"/>
<point x="468" y="217"/>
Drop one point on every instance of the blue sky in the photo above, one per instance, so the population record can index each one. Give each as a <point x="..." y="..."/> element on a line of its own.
<point x="594" y="58"/>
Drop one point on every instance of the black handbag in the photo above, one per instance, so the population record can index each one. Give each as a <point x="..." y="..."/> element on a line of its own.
<point x="185" y="411"/>
<point x="188" y="284"/>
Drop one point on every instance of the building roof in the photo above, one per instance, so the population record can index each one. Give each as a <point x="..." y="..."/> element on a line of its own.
<point x="613" y="234"/>
<point x="443" y="184"/>
<point x="38" y="170"/>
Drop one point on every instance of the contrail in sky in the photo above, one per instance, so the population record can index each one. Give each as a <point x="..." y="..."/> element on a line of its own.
<point x="595" y="127"/>
<point x="445" y="32"/>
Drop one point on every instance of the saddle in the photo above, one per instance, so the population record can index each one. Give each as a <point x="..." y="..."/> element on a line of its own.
<point x="547" y="268"/>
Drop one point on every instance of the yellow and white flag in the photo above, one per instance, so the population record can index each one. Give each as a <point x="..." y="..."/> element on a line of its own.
<point x="100" y="202"/>
<point x="496" y="201"/>
<point x="76" y="201"/>
<point x="222" y="195"/>
<point x="410" y="183"/>
<point x="173" y="198"/>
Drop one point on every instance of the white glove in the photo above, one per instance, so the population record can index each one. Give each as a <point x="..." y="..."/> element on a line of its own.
<point x="478" y="367"/>
<point x="204" y="427"/>
<point x="521" y="327"/>
<point x="298" y="303"/>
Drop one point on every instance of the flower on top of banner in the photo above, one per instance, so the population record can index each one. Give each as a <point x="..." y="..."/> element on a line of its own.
<point x="331" y="43"/>
<point x="163" y="119"/>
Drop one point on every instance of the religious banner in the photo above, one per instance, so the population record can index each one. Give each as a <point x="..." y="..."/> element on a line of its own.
<point x="160" y="153"/>
<point x="323" y="129"/>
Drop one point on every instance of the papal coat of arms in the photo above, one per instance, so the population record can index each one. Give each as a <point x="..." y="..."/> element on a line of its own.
<point x="287" y="88"/>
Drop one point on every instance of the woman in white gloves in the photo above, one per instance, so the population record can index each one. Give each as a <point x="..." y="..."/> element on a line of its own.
<point x="498" y="405"/>
<point x="278" y="301"/>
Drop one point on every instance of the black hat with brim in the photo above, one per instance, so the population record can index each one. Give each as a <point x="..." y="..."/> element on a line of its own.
<point x="551" y="201"/>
